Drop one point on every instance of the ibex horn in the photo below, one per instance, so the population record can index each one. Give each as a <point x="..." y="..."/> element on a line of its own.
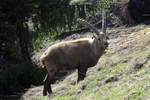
<point x="87" y="24"/>
<point x="104" y="22"/>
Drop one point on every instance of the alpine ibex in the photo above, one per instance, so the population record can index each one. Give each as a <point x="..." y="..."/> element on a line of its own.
<point x="75" y="54"/>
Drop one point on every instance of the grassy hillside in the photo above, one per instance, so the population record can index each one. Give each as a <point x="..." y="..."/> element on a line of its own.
<point x="123" y="73"/>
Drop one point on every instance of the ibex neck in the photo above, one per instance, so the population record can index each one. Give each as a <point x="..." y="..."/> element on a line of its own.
<point x="98" y="49"/>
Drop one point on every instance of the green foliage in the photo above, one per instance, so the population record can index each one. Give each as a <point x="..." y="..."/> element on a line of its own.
<point x="24" y="24"/>
<point x="14" y="32"/>
<point x="61" y="17"/>
<point x="17" y="77"/>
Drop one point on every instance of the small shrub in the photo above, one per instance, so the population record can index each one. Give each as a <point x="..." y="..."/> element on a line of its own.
<point x="17" y="77"/>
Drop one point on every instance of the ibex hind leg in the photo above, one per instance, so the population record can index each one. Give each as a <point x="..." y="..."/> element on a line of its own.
<point x="47" y="83"/>
<point x="47" y="87"/>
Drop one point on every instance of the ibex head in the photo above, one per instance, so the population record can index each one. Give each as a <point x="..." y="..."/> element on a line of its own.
<point x="103" y="39"/>
<point x="100" y="37"/>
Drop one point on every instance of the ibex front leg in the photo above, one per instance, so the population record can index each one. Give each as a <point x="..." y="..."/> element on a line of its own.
<point x="81" y="73"/>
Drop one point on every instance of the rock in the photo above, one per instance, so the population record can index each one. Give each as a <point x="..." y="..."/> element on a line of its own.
<point x="137" y="63"/>
<point x="111" y="79"/>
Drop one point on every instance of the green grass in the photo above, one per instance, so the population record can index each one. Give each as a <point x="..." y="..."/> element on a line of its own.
<point x="41" y="98"/>
<point x="130" y="86"/>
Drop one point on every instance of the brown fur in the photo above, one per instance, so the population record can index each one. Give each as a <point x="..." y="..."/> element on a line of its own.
<point x="72" y="54"/>
<point x="75" y="54"/>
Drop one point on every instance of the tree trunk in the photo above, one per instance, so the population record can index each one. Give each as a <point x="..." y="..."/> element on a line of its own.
<point x="24" y="41"/>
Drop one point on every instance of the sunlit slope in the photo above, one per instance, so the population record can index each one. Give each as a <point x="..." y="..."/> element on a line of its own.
<point x="123" y="73"/>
